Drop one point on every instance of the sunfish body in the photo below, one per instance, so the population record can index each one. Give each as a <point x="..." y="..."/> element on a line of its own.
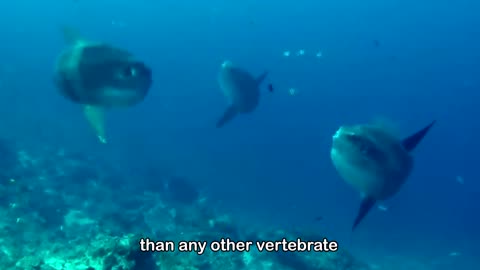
<point x="373" y="161"/>
<point x="241" y="89"/>
<point x="99" y="76"/>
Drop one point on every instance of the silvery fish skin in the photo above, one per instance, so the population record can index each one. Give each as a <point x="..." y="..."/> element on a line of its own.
<point x="373" y="161"/>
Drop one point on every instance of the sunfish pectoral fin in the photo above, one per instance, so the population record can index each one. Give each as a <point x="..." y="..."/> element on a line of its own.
<point x="261" y="78"/>
<point x="96" y="118"/>
<point x="71" y="35"/>
<point x="227" y="116"/>
<point x="365" y="206"/>
<point x="412" y="141"/>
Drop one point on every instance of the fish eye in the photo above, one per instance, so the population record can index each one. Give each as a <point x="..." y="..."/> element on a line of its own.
<point x="366" y="147"/>
<point x="363" y="144"/>
<point x="353" y="137"/>
<point x="129" y="72"/>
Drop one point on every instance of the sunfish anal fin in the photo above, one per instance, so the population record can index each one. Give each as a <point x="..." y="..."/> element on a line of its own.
<point x="412" y="141"/>
<point x="227" y="116"/>
<point x="365" y="206"/>
<point x="261" y="78"/>
<point x="96" y="118"/>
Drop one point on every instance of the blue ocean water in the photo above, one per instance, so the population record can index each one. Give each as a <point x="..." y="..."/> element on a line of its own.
<point x="407" y="61"/>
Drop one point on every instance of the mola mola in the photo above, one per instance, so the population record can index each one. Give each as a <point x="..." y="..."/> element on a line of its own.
<point x="241" y="89"/>
<point x="373" y="161"/>
<point x="99" y="76"/>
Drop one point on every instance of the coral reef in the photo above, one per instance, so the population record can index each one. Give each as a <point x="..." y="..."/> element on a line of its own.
<point x="68" y="211"/>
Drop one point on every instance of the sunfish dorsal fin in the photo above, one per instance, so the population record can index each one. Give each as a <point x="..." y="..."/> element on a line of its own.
<point x="227" y="116"/>
<point x="365" y="206"/>
<point x="71" y="35"/>
<point x="96" y="118"/>
<point x="261" y="78"/>
<point x="413" y="140"/>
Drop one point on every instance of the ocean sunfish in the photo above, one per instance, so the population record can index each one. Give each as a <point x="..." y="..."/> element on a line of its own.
<point x="241" y="89"/>
<point x="99" y="76"/>
<point x="373" y="161"/>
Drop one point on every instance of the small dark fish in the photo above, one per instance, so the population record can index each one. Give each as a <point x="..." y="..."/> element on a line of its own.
<point x="376" y="43"/>
<point x="319" y="218"/>
<point x="270" y="88"/>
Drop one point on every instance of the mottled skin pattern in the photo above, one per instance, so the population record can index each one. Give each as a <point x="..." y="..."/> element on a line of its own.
<point x="370" y="159"/>
<point x="101" y="75"/>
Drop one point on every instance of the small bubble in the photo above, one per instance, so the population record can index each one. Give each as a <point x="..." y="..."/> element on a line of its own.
<point x="293" y="91"/>
<point x="382" y="207"/>
<point x="454" y="254"/>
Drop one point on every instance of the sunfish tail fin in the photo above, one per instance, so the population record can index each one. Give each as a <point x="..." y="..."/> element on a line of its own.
<point x="96" y="118"/>
<point x="261" y="78"/>
<point x="227" y="116"/>
<point x="70" y="35"/>
<point x="365" y="207"/>
<point x="412" y="141"/>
